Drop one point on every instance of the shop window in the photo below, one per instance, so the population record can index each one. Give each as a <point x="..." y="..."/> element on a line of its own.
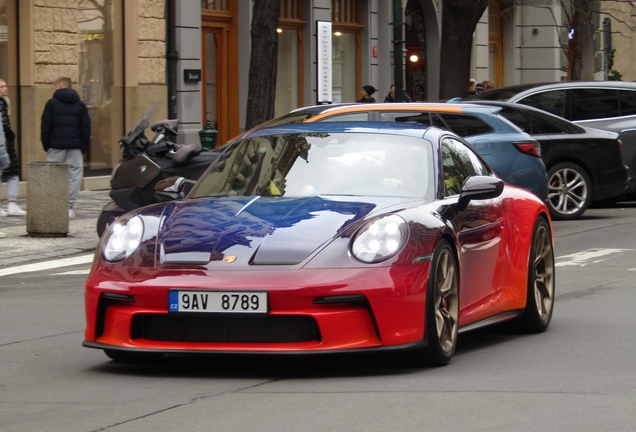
<point x="8" y="64"/>
<point x="496" y="42"/>
<point x="346" y="55"/>
<point x="289" y="75"/>
<point x="218" y="5"/>
<point x="100" y="78"/>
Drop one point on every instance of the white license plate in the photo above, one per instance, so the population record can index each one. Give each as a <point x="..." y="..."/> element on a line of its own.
<point x="217" y="301"/>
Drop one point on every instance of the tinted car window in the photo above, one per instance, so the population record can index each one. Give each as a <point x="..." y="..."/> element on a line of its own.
<point x="457" y="165"/>
<point x="465" y="125"/>
<point x="401" y="117"/>
<point x="516" y="118"/>
<point x="552" y="101"/>
<point x="628" y="102"/>
<point x="594" y="103"/>
<point x="543" y="124"/>
<point x="535" y="124"/>
<point x="437" y="121"/>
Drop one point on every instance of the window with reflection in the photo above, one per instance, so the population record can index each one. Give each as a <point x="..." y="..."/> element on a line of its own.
<point x="8" y="64"/>
<point x="459" y="163"/>
<point x="316" y="164"/>
<point x="290" y="57"/>
<point x="100" y="80"/>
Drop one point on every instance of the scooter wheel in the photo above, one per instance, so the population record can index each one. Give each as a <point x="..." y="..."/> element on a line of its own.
<point x="105" y="219"/>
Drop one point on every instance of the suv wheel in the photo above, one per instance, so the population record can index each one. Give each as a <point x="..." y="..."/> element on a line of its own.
<point x="569" y="191"/>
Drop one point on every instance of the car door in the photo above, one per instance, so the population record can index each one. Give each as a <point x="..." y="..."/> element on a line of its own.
<point x="479" y="229"/>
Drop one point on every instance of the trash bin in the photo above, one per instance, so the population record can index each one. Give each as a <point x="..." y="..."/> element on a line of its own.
<point x="47" y="199"/>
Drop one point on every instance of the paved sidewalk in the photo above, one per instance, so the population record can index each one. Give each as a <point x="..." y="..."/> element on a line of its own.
<point x="19" y="248"/>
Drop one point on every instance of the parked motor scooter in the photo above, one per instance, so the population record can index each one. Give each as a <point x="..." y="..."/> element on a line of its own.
<point x="145" y="162"/>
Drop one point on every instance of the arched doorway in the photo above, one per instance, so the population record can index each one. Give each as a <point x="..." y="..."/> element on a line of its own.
<point x="415" y="42"/>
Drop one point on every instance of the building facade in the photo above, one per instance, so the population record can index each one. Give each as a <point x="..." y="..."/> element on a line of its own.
<point x="194" y="55"/>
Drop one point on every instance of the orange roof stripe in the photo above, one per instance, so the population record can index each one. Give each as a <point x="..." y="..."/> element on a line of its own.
<point x="387" y="107"/>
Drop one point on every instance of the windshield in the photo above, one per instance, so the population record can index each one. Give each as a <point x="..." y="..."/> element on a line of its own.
<point x="143" y="121"/>
<point x="296" y="165"/>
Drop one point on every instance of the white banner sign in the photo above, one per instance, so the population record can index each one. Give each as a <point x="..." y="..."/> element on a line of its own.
<point x="324" y="62"/>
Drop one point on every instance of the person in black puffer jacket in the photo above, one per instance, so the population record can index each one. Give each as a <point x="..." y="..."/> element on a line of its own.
<point x="66" y="132"/>
<point x="10" y="175"/>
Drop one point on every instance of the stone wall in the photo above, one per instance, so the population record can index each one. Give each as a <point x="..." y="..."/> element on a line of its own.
<point x="152" y="42"/>
<point x="56" y="40"/>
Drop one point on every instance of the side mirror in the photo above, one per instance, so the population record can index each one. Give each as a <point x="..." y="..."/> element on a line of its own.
<point x="479" y="188"/>
<point x="170" y="189"/>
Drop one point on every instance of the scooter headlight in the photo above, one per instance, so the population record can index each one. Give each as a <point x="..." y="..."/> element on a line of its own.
<point x="122" y="239"/>
<point x="380" y="240"/>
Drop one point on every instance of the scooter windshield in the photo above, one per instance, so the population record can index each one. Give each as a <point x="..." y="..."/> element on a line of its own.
<point x="143" y="122"/>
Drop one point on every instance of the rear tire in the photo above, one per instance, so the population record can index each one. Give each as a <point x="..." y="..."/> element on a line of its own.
<point x="442" y="309"/>
<point x="569" y="191"/>
<point x="105" y="220"/>
<point x="540" y="292"/>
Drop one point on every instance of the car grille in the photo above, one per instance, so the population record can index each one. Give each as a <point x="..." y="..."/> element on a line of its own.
<point x="189" y="328"/>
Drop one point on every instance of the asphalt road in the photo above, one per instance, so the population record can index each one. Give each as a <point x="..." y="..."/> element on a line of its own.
<point x="578" y="376"/>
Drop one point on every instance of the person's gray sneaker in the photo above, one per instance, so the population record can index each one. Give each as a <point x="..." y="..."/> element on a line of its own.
<point x="71" y="213"/>
<point x="2" y="213"/>
<point x="2" y="235"/>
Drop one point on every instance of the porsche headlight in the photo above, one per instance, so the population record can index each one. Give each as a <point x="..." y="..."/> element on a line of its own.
<point x="380" y="240"/>
<point x="122" y="239"/>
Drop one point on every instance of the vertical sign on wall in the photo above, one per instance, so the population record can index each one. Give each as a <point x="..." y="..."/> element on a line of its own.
<point x="324" y="62"/>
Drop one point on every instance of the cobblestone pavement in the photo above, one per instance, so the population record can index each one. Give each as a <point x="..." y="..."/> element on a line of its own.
<point x="19" y="248"/>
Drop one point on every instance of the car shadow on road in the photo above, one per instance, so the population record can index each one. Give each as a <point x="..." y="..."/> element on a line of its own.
<point x="286" y="366"/>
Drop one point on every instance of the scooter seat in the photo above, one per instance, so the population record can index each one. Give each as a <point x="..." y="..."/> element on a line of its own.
<point x="185" y="152"/>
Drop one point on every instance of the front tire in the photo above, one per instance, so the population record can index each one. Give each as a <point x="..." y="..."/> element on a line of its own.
<point x="569" y="191"/>
<point x="442" y="309"/>
<point x="540" y="292"/>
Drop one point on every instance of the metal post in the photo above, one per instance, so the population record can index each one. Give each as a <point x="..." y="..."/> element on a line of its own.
<point x="172" y="57"/>
<point x="397" y="50"/>
<point x="607" y="45"/>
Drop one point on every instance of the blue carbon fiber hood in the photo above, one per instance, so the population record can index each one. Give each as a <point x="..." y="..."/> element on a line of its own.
<point x="258" y="230"/>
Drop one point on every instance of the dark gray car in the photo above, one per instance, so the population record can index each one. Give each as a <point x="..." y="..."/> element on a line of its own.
<point x="605" y="105"/>
<point x="584" y="165"/>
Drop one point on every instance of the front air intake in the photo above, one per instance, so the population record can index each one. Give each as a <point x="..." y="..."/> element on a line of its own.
<point x="229" y="329"/>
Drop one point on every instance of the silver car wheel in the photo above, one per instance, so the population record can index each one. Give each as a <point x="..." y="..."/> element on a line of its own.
<point x="569" y="191"/>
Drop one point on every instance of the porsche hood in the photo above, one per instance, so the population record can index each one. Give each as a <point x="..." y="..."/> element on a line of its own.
<point x="260" y="230"/>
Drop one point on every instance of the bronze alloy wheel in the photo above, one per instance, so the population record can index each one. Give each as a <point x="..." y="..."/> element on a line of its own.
<point x="442" y="310"/>
<point x="541" y="282"/>
<point x="543" y="268"/>
<point x="446" y="301"/>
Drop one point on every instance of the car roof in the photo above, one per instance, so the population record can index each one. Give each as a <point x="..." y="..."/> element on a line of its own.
<point x="405" y="129"/>
<point x="507" y="92"/>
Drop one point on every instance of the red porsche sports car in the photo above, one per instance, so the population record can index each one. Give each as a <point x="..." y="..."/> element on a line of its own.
<point x="339" y="237"/>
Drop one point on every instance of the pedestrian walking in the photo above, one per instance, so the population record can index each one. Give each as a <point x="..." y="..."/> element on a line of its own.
<point x="472" y="87"/>
<point x="4" y="156"/>
<point x="366" y="93"/>
<point x="10" y="175"/>
<point x="65" y="134"/>
<point x="391" y="96"/>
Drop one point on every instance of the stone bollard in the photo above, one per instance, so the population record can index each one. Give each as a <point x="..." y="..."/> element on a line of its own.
<point x="47" y="199"/>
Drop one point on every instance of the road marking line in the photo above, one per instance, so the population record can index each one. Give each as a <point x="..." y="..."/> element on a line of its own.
<point x="585" y="257"/>
<point x="47" y="265"/>
<point x="74" y="272"/>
